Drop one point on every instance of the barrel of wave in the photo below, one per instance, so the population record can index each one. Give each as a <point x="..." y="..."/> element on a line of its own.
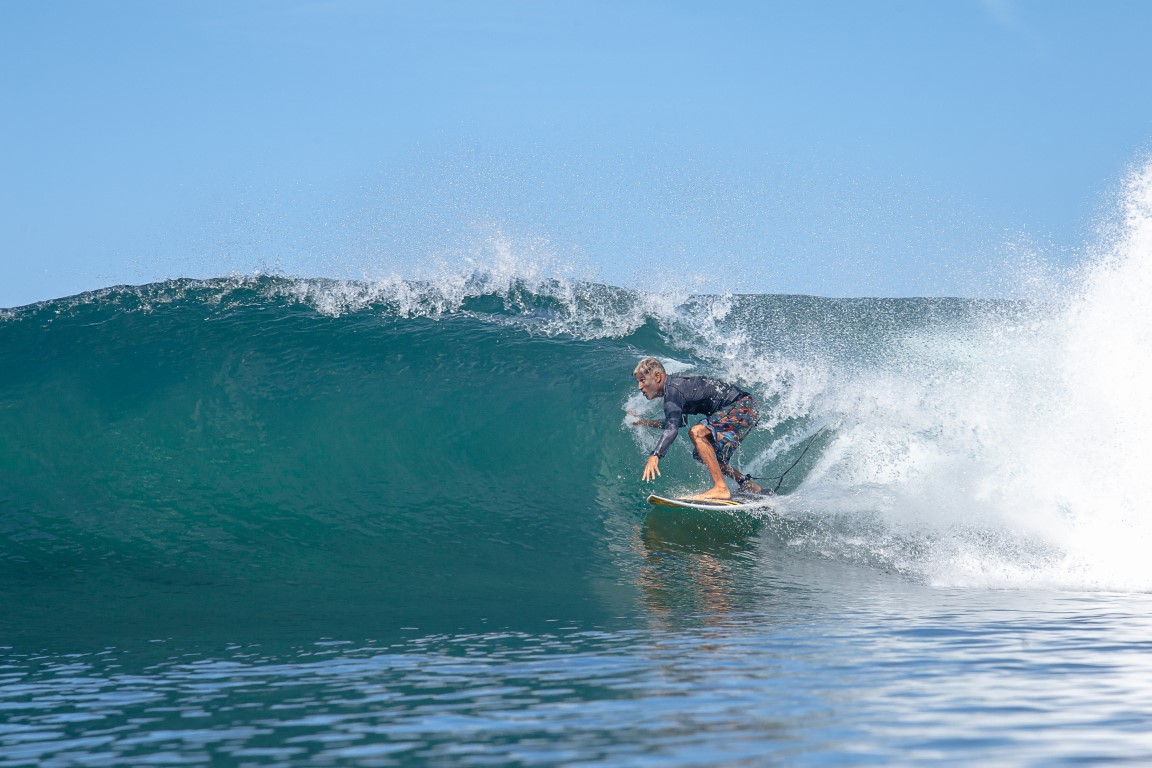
<point x="270" y="461"/>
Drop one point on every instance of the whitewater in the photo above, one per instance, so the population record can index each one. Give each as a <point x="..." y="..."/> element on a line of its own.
<point x="277" y="520"/>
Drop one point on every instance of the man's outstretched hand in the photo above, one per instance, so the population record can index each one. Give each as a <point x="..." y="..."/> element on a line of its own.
<point x="652" y="468"/>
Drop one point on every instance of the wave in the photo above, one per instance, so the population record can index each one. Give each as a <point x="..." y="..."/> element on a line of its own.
<point x="428" y="444"/>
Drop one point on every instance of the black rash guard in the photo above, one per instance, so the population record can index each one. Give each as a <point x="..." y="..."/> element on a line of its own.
<point x="685" y="395"/>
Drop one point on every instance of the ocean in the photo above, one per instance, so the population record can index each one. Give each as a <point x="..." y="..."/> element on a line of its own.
<point x="282" y="521"/>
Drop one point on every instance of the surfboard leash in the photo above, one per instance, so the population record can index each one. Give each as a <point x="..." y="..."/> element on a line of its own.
<point x="806" y="447"/>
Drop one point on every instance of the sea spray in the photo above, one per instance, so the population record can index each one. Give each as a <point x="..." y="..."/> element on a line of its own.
<point x="1008" y="448"/>
<point x="1094" y="455"/>
<point x="431" y="449"/>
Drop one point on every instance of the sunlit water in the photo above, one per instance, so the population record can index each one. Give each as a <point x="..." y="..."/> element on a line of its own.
<point x="743" y="653"/>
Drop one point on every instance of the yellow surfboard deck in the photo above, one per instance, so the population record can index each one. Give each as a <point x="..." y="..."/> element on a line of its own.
<point x="660" y="501"/>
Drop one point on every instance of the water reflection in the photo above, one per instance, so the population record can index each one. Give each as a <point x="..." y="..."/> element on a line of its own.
<point x="882" y="673"/>
<point x="693" y="563"/>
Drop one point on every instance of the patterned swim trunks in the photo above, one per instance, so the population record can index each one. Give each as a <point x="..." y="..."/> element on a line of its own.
<point x="729" y="427"/>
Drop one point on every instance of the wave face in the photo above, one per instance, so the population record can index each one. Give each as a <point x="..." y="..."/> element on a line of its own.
<point x="240" y="447"/>
<point x="455" y="451"/>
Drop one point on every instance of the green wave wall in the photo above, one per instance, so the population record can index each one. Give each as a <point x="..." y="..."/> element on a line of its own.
<point x="257" y="461"/>
<point x="211" y="456"/>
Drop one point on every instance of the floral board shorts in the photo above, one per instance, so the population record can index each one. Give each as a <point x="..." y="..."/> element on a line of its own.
<point x="729" y="427"/>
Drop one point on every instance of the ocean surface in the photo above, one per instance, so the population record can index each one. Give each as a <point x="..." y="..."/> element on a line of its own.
<point x="280" y="521"/>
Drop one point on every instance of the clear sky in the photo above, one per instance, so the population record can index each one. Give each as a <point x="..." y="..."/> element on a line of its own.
<point x="850" y="148"/>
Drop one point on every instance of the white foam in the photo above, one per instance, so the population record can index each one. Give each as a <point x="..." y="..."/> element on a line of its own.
<point x="1015" y="452"/>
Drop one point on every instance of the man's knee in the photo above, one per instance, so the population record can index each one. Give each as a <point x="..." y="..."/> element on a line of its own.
<point x="699" y="432"/>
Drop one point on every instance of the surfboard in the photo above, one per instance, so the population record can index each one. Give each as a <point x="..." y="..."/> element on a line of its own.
<point x="661" y="501"/>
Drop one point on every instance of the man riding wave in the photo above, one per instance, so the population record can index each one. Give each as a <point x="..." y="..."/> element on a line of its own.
<point x="730" y="414"/>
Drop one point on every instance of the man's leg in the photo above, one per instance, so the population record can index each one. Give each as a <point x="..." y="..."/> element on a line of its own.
<point x="701" y="438"/>
<point x="723" y="433"/>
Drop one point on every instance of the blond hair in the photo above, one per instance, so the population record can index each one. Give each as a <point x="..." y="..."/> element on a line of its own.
<point x="648" y="366"/>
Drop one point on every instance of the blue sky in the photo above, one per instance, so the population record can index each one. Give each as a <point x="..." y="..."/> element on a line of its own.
<point x="833" y="148"/>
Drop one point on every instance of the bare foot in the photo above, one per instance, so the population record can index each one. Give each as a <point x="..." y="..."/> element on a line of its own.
<point x="751" y="486"/>
<point x="712" y="494"/>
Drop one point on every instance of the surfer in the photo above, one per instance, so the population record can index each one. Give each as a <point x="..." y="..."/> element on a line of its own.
<point x="729" y="415"/>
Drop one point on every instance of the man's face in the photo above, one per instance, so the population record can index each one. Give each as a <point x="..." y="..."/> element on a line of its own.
<point x="651" y="385"/>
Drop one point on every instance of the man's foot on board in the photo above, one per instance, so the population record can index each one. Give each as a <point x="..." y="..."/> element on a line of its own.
<point x="713" y="494"/>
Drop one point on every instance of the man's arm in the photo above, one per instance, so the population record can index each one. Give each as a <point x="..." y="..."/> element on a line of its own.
<point x="652" y="466"/>
<point x="673" y="416"/>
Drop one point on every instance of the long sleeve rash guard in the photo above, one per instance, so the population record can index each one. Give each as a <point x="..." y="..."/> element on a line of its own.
<point x="684" y="395"/>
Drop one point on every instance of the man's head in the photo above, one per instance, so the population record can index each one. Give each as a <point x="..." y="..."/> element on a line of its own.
<point x="650" y="377"/>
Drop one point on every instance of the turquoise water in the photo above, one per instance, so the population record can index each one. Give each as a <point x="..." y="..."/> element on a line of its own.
<point x="274" y="521"/>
